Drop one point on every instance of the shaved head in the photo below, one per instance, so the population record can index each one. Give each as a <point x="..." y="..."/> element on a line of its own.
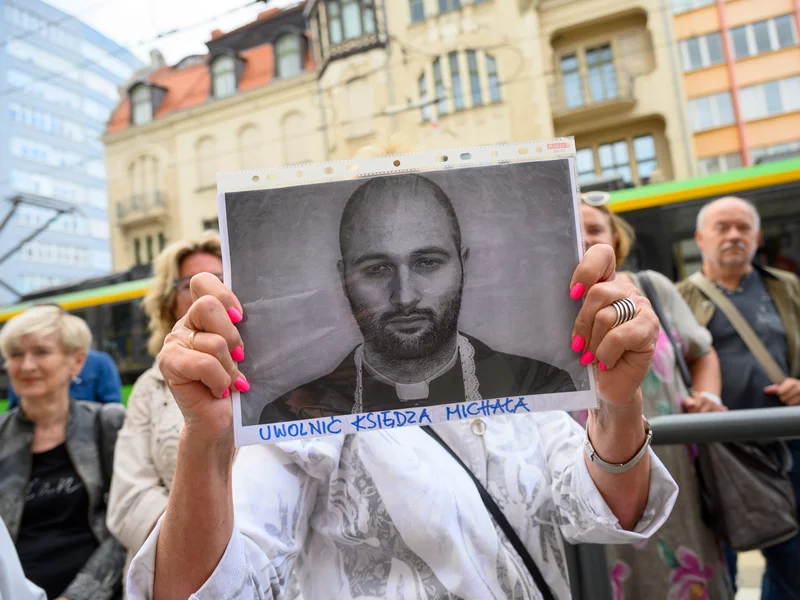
<point x="402" y="268"/>
<point x="725" y="202"/>
<point x="385" y="195"/>
<point x="728" y="235"/>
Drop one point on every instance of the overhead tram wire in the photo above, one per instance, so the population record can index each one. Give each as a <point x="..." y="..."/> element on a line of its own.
<point x="517" y="77"/>
<point x="168" y="33"/>
<point x="54" y="23"/>
<point x="123" y="49"/>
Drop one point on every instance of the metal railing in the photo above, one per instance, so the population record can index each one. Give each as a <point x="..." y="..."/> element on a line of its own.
<point x="588" y="569"/>
<point x="585" y="90"/>
<point x="141" y="204"/>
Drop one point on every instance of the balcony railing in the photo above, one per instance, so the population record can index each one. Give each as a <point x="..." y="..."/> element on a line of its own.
<point x="601" y="90"/>
<point x="142" y="207"/>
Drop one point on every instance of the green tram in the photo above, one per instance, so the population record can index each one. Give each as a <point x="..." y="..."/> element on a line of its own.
<point x="111" y="305"/>
<point x="664" y="216"/>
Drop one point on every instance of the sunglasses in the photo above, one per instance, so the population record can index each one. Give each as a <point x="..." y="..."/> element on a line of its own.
<point x="181" y="285"/>
<point x="596" y="198"/>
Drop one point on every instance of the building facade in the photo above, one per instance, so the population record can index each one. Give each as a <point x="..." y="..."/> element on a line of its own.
<point x="326" y="78"/>
<point x="58" y="84"/>
<point x="741" y="75"/>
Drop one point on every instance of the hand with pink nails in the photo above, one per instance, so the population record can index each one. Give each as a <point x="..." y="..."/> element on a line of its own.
<point x="199" y="360"/>
<point x="622" y="353"/>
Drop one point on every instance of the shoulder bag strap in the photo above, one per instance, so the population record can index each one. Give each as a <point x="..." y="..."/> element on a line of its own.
<point x="756" y="347"/>
<point x="652" y="295"/>
<point x="501" y="520"/>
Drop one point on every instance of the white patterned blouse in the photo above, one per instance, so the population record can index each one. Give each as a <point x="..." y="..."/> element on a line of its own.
<point x="390" y="514"/>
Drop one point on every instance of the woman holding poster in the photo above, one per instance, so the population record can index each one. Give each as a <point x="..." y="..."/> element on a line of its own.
<point x="390" y="513"/>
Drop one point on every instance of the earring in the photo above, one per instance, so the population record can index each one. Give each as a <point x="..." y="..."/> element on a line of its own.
<point x="76" y="380"/>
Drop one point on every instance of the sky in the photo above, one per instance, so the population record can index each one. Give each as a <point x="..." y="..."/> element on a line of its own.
<point x="130" y="23"/>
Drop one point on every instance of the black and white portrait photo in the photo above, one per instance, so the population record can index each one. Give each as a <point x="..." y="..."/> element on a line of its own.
<point x="406" y="299"/>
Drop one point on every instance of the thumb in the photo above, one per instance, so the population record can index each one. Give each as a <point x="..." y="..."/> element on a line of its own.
<point x="771" y="389"/>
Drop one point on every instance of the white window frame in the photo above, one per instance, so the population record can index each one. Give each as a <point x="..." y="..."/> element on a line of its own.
<point x="288" y="46"/>
<point x="223" y="76"/>
<point x="772" y="29"/>
<point x="758" y="94"/>
<point x="705" y="56"/>
<point x="715" y="112"/>
<point x="141" y="105"/>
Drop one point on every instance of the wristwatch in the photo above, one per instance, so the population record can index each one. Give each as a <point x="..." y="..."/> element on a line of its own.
<point x="711" y="396"/>
<point x="617" y="468"/>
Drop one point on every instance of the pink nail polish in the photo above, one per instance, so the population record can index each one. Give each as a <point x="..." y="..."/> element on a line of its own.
<point x="235" y="315"/>
<point x="241" y="384"/>
<point x="577" y="291"/>
<point x="578" y="343"/>
<point x="226" y="393"/>
<point x="602" y="366"/>
<point x="587" y="358"/>
<point x="238" y="354"/>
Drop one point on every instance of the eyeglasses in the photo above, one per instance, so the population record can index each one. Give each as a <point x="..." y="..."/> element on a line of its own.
<point x="596" y="198"/>
<point x="181" y="286"/>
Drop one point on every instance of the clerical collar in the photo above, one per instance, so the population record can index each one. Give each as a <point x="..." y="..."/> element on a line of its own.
<point x="420" y="391"/>
<point x="412" y="391"/>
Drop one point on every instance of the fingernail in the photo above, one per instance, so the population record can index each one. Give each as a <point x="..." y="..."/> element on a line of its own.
<point x="587" y="358"/>
<point x="602" y="366"/>
<point x="578" y="343"/>
<point x="226" y="393"/>
<point x="235" y="315"/>
<point x="241" y="384"/>
<point x="577" y="291"/>
<point x="238" y="354"/>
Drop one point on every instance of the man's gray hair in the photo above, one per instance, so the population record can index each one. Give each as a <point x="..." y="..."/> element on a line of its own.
<point x="702" y="214"/>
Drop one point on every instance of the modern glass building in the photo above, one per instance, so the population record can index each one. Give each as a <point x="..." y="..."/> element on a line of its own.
<point x="59" y="81"/>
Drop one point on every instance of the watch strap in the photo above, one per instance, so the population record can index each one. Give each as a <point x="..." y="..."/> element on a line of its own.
<point x="618" y="468"/>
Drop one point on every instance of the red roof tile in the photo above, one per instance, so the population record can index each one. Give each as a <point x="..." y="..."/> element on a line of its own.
<point x="191" y="85"/>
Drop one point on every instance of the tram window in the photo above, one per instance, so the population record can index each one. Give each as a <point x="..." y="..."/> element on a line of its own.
<point x="688" y="257"/>
<point x="119" y="336"/>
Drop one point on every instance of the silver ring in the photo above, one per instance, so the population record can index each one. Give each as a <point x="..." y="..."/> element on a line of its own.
<point x="190" y="341"/>
<point x="626" y="310"/>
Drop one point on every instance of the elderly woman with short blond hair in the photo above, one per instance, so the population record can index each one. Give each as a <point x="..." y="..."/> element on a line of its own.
<point x="55" y="460"/>
<point x="148" y="443"/>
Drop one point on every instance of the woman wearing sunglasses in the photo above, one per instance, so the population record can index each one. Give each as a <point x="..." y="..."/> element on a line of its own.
<point x="683" y="560"/>
<point x="148" y="443"/>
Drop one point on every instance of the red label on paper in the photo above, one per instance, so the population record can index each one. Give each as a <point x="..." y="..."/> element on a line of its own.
<point x="557" y="145"/>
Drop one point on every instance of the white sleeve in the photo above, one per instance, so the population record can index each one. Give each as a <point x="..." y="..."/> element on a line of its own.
<point x="273" y="501"/>
<point x="583" y="514"/>
<point x="13" y="584"/>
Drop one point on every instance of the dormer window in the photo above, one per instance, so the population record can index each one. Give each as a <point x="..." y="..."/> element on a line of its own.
<point x="288" y="56"/>
<point x="141" y="105"/>
<point x="223" y="76"/>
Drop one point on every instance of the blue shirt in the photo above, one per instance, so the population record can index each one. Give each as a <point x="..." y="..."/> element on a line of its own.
<point x="98" y="381"/>
<point x="743" y="378"/>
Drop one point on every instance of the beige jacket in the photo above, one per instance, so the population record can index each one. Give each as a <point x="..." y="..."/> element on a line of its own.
<point x="782" y="286"/>
<point x="144" y="462"/>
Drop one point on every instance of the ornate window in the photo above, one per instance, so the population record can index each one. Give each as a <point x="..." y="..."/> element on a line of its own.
<point x="141" y="105"/>
<point x="350" y="19"/>
<point x="461" y="79"/>
<point x="288" y="55"/>
<point x="494" y="80"/>
<point x="223" y="76"/>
